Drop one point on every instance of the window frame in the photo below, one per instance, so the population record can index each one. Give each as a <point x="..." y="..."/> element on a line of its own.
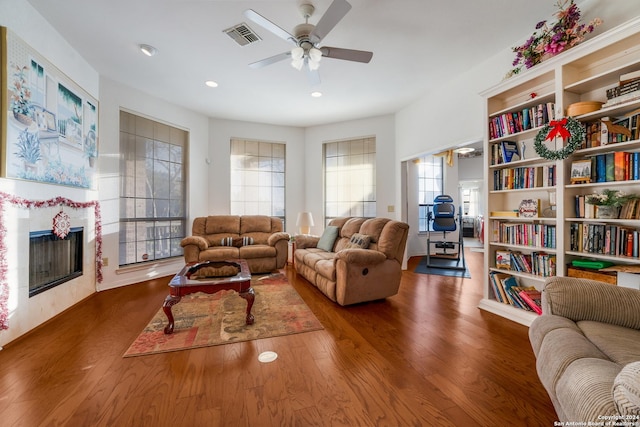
<point x="262" y="162"/>
<point x="144" y="234"/>
<point x="355" y="196"/>
<point x="424" y="205"/>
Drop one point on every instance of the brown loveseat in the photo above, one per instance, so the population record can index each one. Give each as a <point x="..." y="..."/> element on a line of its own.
<point x="349" y="274"/>
<point x="257" y="238"/>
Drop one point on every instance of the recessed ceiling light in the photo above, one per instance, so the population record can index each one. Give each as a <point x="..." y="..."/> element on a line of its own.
<point x="316" y="94"/>
<point x="148" y="49"/>
<point x="464" y="150"/>
<point x="211" y="83"/>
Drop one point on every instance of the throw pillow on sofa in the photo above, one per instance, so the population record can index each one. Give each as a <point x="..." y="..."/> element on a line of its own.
<point x="328" y="238"/>
<point x="236" y="242"/>
<point x="358" y="241"/>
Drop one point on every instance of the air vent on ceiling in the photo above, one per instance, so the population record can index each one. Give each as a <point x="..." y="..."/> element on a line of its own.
<point x="242" y="34"/>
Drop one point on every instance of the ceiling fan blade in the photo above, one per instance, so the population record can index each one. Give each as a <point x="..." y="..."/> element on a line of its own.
<point x="337" y="10"/>
<point x="271" y="60"/>
<point x="346" y="54"/>
<point x="268" y="25"/>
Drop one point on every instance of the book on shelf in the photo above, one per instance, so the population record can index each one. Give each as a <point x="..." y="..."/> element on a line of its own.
<point x="579" y="205"/>
<point x="528" y="234"/>
<point x="505" y="124"/>
<point x="498" y="290"/>
<point x="513" y="214"/>
<point x="503" y="260"/>
<point x="627" y="97"/>
<point x="606" y="239"/>
<point x="510" y="151"/>
<point x="616" y="166"/>
<point x="625" y="87"/>
<point x="524" y="177"/>
<point x="509" y="283"/>
<point x="619" y="158"/>
<point x="630" y="210"/>
<point x="533" y="298"/>
<point x="507" y="290"/>
<point x="628" y="82"/>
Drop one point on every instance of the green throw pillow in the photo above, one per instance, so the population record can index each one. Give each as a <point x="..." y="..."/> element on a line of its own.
<point x="328" y="238"/>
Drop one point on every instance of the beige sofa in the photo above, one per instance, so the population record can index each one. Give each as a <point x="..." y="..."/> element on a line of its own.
<point x="587" y="345"/>
<point x="257" y="238"/>
<point x="352" y="275"/>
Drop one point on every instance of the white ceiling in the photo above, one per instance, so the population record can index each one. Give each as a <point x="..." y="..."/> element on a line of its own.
<point x="416" y="45"/>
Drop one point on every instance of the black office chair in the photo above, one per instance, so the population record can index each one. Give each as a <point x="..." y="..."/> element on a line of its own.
<point x="442" y="218"/>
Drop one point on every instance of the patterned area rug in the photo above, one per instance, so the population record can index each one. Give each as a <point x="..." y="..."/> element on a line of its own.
<point x="203" y="320"/>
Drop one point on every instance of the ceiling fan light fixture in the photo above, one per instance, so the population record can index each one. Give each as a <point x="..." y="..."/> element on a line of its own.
<point x="315" y="55"/>
<point x="297" y="53"/>
<point x="297" y="64"/>
<point x="314" y="65"/>
<point x="148" y="49"/>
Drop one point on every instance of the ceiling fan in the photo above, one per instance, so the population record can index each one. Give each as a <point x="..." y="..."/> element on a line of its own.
<point x="307" y="38"/>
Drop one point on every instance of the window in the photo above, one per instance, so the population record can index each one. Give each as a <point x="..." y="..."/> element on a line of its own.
<point x="430" y="185"/>
<point x="152" y="195"/>
<point x="350" y="178"/>
<point x="258" y="178"/>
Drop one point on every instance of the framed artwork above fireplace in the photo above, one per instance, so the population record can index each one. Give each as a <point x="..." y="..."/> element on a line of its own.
<point x="49" y="124"/>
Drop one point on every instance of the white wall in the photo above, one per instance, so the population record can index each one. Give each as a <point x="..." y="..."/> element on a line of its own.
<point x="114" y="97"/>
<point x="26" y="313"/>
<point x="387" y="166"/>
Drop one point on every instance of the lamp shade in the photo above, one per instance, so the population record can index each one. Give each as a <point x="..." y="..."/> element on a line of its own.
<point x="304" y="222"/>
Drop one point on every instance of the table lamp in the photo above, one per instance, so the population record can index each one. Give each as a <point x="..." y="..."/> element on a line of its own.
<point x="304" y="222"/>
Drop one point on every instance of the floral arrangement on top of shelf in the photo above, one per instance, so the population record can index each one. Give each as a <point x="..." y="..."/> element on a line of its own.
<point x="548" y="41"/>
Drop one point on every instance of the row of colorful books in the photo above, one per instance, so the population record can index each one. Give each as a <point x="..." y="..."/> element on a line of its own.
<point x="519" y="121"/>
<point x="507" y="290"/>
<point x="536" y="263"/>
<point x="524" y="234"/>
<point x="615" y="166"/>
<point x="606" y="239"/>
<point x="524" y="177"/>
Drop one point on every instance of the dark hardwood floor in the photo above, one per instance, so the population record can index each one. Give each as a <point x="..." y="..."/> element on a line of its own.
<point x="425" y="357"/>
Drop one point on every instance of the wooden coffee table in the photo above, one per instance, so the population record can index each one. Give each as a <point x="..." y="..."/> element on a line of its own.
<point x="182" y="285"/>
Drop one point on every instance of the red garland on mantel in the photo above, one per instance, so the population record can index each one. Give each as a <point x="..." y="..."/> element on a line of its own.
<point x="29" y="204"/>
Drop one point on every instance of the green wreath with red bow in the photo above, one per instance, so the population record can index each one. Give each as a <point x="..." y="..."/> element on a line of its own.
<point x="567" y="128"/>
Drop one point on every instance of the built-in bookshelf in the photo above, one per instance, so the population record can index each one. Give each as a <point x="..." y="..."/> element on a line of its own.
<point x="539" y="219"/>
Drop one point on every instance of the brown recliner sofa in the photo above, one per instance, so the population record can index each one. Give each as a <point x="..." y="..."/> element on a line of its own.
<point x="259" y="239"/>
<point x="348" y="274"/>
